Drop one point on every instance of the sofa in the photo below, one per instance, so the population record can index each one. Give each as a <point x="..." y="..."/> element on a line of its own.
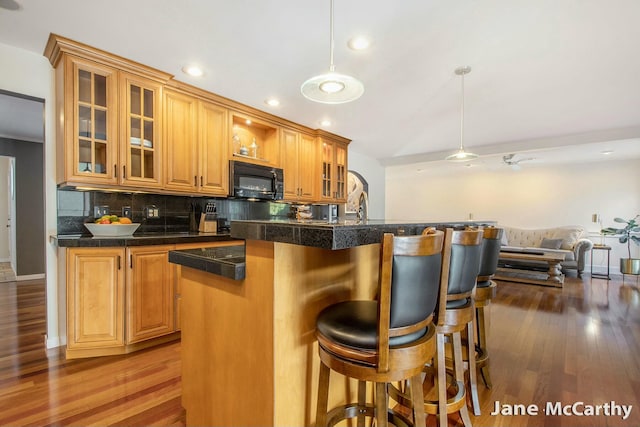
<point x="568" y="240"/>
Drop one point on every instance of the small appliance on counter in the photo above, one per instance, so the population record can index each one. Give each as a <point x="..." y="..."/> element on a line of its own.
<point x="209" y="219"/>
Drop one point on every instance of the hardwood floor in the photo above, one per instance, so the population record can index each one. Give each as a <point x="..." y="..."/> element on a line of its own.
<point x="576" y="344"/>
<point x="40" y="387"/>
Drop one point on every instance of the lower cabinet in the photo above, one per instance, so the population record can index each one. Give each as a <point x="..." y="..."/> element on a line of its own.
<point x="95" y="298"/>
<point x="122" y="299"/>
<point x="149" y="293"/>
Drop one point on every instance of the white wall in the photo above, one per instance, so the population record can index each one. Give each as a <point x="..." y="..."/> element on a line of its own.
<point x="31" y="74"/>
<point x="373" y="172"/>
<point x="534" y="197"/>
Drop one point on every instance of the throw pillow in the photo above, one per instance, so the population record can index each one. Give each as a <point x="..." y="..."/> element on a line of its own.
<point x="569" y="236"/>
<point x="551" y="243"/>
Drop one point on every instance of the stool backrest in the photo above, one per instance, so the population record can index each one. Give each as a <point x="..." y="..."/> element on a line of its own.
<point x="409" y="286"/>
<point x="490" y="253"/>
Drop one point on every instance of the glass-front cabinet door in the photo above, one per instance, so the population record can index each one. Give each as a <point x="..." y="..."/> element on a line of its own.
<point x="334" y="171"/>
<point x="91" y="122"/>
<point x="140" y="126"/>
<point x="327" y="169"/>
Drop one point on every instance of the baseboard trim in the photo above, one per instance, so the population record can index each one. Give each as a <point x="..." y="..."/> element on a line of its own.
<point x="29" y="277"/>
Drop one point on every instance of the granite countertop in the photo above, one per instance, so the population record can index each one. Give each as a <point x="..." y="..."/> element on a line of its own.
<point x="226" y="261"/>
<point x="341" y="234"/>
<point x="139" y="239"/>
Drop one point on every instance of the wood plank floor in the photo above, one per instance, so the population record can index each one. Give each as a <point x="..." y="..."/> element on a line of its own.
<point x="576" y="344"/>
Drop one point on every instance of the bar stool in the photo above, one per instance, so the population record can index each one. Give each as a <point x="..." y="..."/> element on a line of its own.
<point x="386" y="340"/>
<point x="456" y="313"/>
<point x="485" y="291"/>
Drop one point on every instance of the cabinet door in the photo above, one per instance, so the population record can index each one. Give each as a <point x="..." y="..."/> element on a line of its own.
<point x="213" y="153"/>
<point x="140" y="154"/>
<point x="289" y="164"/>
<point x="90" y="122"/>
<point x="334" y="171"/>
<point x="327" y="165"/>
<point x="149" y="293"/>
<point x="307" y="166"/>
<point x="95" y="298"/>
<point x="180" y="139"/>
<point x="340" y="163"/>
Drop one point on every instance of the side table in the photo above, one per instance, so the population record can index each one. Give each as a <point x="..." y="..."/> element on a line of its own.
<point x="601" y="248"/>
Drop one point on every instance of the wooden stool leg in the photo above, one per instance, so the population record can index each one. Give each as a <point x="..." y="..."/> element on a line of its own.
<point x="473" y="382"/>
<point x="417" y="399"/>
<point x="362" y="399"/>
<point x="323" y="395"/>
<point x="459" y="373"/>
<point x="482" y="320"/>
<point x="442" y="382"/>
<point x="382" y="405"/>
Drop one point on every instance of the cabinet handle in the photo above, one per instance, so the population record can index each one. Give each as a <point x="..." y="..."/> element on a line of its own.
<point x="118" y="262"/>
<point x="124" y="171"/>
<point x="201" y="184"/>
<point x="115" y="171"/>
<point x="195" y="180"/>
<point x="130" y="261"/>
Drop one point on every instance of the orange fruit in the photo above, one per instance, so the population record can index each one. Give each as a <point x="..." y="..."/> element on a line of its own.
<point x="125" y="220"/>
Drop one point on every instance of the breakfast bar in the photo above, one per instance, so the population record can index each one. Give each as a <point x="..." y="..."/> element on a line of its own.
<point x="249" y="354"/>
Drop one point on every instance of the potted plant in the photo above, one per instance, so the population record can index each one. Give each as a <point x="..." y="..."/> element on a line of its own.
<point x="627" y="235"/>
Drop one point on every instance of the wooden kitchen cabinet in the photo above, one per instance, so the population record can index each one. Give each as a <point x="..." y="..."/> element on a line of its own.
<point x="149" y="293"/>
<point x="196" y="154"/>
<point x="110" y="115"/>
<point x="333" y="173"/>
<point x="95" y="298"/>
<point x="118" y="300"/>
<point x="140" y="148"/>
<point x="298" y="160"/>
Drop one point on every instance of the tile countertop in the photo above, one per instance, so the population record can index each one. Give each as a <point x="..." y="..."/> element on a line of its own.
<point x="141" y="239"/>
<point x="336" y="235"/>
<point x="226" y="261"/>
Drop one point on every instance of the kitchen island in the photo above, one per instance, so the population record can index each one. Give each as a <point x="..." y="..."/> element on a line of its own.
<point x="249" y="354"/>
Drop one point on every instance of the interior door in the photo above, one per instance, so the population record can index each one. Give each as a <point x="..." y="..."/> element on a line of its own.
<point x="11" y="204"/>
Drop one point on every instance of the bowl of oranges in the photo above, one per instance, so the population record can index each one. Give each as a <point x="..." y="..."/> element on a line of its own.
<point x="112" y="226"/>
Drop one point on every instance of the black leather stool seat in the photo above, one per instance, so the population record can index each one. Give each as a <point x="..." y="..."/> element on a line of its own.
<point x="355" y="324"/>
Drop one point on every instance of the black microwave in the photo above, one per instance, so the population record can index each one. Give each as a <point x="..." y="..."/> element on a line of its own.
<point x="251" y="181"/>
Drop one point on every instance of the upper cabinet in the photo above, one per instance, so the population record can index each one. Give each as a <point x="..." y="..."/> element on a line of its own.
<point x="110" y="114"/>
<point x="89" y="132"/>
<point x="195" y="132"/>
<point x="140" y="126"/>
<point x="123" y="125"/>
<point x="298" y="160"/>
<point x="333" y="172"/>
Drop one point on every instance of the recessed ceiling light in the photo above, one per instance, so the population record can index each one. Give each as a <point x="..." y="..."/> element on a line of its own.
<point x="358" y="43"/>
<point x="248" y="122"/>
<point x="606" y="152"/>
<point x="193" y="70"/>
<point x="272" y="102"/>
<point x="325" y="122"/>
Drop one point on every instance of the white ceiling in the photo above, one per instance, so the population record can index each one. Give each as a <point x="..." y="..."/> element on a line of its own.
<point x="545" y="73"/>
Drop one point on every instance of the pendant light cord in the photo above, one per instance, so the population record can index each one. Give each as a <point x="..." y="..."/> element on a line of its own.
<point x="462" y="114"/>
<point x="332" y="67"/>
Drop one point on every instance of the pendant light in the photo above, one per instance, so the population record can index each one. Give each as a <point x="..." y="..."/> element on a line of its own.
<point x="332" y="87"/>
<point x="461" y="155"/>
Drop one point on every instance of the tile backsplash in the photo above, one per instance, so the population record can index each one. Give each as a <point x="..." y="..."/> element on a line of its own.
<point x="175" y="213"/>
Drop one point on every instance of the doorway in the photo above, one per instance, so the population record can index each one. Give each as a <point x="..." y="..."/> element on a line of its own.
<point x="7" y="216"/>
<point x="22" y="208"/>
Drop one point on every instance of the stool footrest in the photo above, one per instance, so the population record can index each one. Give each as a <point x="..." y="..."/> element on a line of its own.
<point x="353" y="410"/>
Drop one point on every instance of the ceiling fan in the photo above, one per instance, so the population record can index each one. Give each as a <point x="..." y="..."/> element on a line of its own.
<point x="510" y="160"/>
<point x="9" y="4"/>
